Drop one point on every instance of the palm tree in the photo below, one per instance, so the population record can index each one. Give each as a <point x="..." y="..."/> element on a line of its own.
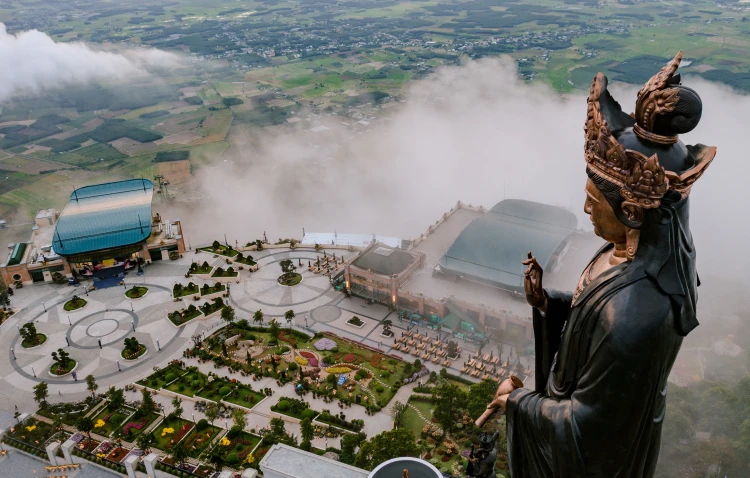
<point x="258" y="317"/>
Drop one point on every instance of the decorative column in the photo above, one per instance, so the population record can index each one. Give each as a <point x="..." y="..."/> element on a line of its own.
<point x="131" y="463"/>
<point x="249" y="473"/>
<point x="67" y="449"/>
<point x="52" y="452"/>
<point x="150" y="462"/>
<point x="225" y="474"/>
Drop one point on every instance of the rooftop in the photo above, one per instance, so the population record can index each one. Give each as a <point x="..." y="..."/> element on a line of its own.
<point x="285" y="461"/>
<point x="436" y="244"/>
<point x="491" y="248"/>
<point x="382" y="259"/>
<point x="105" y="216"/>
<point x="357" y="240"/>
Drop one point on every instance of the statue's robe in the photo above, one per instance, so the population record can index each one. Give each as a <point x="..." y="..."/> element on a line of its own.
<point x="601" y="381"/>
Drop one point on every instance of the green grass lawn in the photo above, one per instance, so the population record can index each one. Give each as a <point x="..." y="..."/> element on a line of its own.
<point x="70" y="412"/>
<point x="136" y="292"/>
<point x="188" y="290"/>
<point x="159" y="379"/>
<point x="34" y="432"/>
<point x="166" y="441"/>
<point x="213" y="391"/>
<point x="70" y="305"/>
<point x="146" y="421"/>
<point x="221" y="250"/>
<point x="197" y="441"/>
<point x="184" y="316"/>
<point x="112" y="420"/>
<point x="242" y="444"/>
<point x="189" y="384"/>
<point x="412" y="422"/>
<point x="244" y="396"/>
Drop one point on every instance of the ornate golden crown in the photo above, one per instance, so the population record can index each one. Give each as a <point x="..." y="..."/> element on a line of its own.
<point x="642" y="180"/>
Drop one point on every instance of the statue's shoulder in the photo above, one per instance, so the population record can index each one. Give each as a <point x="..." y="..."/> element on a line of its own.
<point x="636" y="308"/>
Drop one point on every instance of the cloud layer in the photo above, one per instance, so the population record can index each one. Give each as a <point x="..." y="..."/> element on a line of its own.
<point x="31" y="62"/>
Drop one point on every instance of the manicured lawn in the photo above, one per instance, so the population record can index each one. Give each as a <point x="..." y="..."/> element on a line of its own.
<point x="39" y="339"/>
<point x="183" y="316"/>
<point x="181" y="428"/>
<point x="136" y="426"/>
<point x="218" y="287"/>
<point x="33" y="432"/>
<point x="244" y="396"/>
<point x="221" y="250"/>
<point x="202" y="270"/>
<point x="69" y="411"/>
<point x="186" y="291"/>
<point x="136" y="292"/>
<point x="129" y="355"/>
<point x="242" y="444"/>
<point x="74" y="305"/>
<point x="189" y="384"/>
<point x="196" y="442"/>
<point x="290" y="279"/>
<point x="159" y="379"/>
<point x="219" y="272"/>
<point x="209" y="308"/>
<point x="412" y="421"/>
<point x="213" y="391"/>
<point x="112" y="420"/>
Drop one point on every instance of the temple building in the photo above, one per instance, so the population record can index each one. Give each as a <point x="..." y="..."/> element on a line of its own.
<point x="104" y="230"/>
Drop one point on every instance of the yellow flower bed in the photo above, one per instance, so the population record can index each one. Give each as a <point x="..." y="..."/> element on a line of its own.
<point x="338" y="370"/>
<point x="250" y="459"/>
<point x="101" y="455"/>
<point x="301" y="360"/>
<point x="31" y="428"/>
<point x="99" y="423"/>
<point x="225" y="442"/>
<point x="167" y="431"/>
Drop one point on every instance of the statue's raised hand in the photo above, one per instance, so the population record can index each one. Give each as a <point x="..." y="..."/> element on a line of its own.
<point x="532" y="284"/>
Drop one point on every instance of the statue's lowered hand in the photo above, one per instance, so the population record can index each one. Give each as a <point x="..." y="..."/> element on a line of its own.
<point x="501" y="395"/>
<point x="532" y="284"/>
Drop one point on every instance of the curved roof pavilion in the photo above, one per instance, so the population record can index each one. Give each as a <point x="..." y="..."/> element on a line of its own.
<point x="104" y="220"/>
<point x="490" y="249"/>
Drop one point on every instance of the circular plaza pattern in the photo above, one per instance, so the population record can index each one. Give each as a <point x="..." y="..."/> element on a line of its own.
<point x="109" y="326"/>
<point x="102" y="328"/>
<point x="326" y="313"/>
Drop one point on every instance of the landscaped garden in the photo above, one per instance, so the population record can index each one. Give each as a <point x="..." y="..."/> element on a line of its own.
<point x="74" y="303"/>
<point x="62" y="364"/>
<point x="69" y="412"/>
<point x="215" y="389"/>
<point x="355" y="321"/>
<point x="180" y="290"/>
<point x="171" y="431"/>
<point x="239" y="443"/>
<point x="213" y="289"/>
<point x="196" y="268"/>
<point x="214" y="306"/>
<point x="136" y="424"/>
<point x="244" y="396"/>
<point x="133" y="349"/>
<point x="136" y="292"/>
<point x="33" y="432"/>
<point x="189" y="384"/>
<point x="31" y="338"/>
<point x="220" y="249"/>
<point x="162" y="377"/>
<point x="108" y="420"/>
<point x="229" y="272"/>
<point x="182" y="316"/>
<point x="294" y="408"/>
<point x="200" y="437"/>
<point x="290" y="279"/>
<point x="247" y="260"/>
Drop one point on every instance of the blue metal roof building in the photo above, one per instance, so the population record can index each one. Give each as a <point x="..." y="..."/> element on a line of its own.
<point x="490" y="249"/>
<point x="104" y="221"/>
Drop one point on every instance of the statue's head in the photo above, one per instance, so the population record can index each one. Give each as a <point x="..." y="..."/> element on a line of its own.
<point x="636" y="163"/>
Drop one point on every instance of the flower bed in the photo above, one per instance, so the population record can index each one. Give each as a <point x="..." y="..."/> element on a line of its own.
<point x="128" y="354"/>
<point x="34" y="432"/>
<point x="88" y="445"/>
<point x="180" y="317"/>
<point x="109" y="420"/>
<point x="349" y="358"/>
<point x="325" y="344"/>
<point x="170" y="432"/>
<point x="213" y="390"/>
<point x="197" y="441"/>
<point x="118" y="454"/>
<point x="133" y="428"/>
<point x="311" y="358"/>
<point x="290" y="279"/>
<point x="56" y="369"/>
<point x="301" y="360"/>
<point x="244" y="396"/>
<point x="338" y="370"/>
<point x="69" y="411"/>
<point x="76" y="304"/>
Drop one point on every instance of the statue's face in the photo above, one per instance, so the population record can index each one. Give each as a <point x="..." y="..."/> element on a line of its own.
<point x="606" y="224"/>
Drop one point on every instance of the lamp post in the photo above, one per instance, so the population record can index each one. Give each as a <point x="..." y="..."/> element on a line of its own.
<point x="32" y="371"/>
<point x="45" y="307"/>
<point x="13" y="352"/>
<point x="133" y="323"/>
<point x="67" y="340"/>
<point x="69" y="322"/>
<point x="100" y="342"/>
<point x="131" y="306"/>
<point x="118" y="366"/>
<point x="158" y="347"/>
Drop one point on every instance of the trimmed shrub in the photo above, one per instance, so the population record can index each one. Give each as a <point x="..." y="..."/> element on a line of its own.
<point x="308" y="414"/>
<point x="379" y="388"/>
<point x="283" y="405"/>
<point x="224" y="390"/>
<point x="292" y="366"/>
<point x="201" y="425"/>
<point x="233" y="459"/>
<point x="170" y="376"/>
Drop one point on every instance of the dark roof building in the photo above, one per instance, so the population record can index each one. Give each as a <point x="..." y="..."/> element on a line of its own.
<point x="384" y="260"/>
<point x="490" y="249"/>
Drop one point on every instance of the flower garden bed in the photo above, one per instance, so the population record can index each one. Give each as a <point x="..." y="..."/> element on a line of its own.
<point x="133" y="427"/>
<point x="69" y="411"/>
<point x="162" y="377"/>
<point x="88" y="445"/>
<point x="203" y="470"/>
<point x="76" y="304"/>
<point x="200" y="269"/>
<point x="290" y="279"/>
<point x="171" y="431"/>
<point x="38" y="340"/>
<point x="33" y="432"/>
<point x="59" y="371"/>
<point x="181" y="317"/>
<point x="127" y="354"/>
<point x="244" y="396"/>
<point x="110" y="420"/>
<point x="197" y="441"/>
<point x="242" y="444"/>
<point x="118" y="454"/>
<point x="136" y="292"/>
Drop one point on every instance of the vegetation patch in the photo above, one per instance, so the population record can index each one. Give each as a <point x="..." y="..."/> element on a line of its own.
<point x="244" y="396"/>
<point x="162" y="377"/>
<point x="180" y="290"/>
<point x="197" y="441"/>
<point x="196" y="268"/>
<point x="290" y="279"/>
<point x="136" y="292"/>
<point x="180" y="317"/>
<point x="294" y="408"/>
<point x="171" y="431"/>
<point x="154" y="114"/>
<point x="189" y="384"/>
<point x="221" y="249"/>
<point x="74" y="303"/>
<point x="31" y="338"/>
<point x="132" y="349"/>
<point x="107" y="421"/>
<point x="213" y="289"/>
<point x="167" y="156"/>
<point x="209" y="308"/>
<point x="229" y="272"/>
<point x="63" y="367"/>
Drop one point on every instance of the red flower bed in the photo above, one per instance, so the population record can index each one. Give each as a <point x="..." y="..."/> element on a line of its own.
<point x="310" y="358"/>
<point x="137" y="425"/>
<point x="284" y="335"/>
<point x="348" y="358"/>
<point x="118" y="454"/>
<point x="375" y="360"/>
<point x="183" y="431"/>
